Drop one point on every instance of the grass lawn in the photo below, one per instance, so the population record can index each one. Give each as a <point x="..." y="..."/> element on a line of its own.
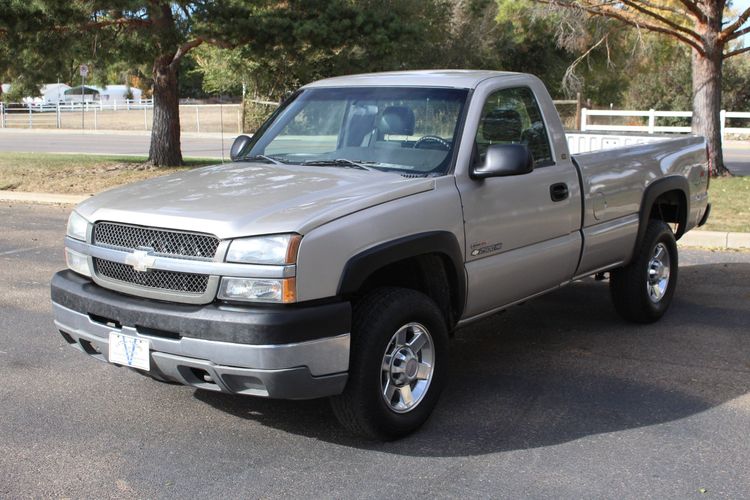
<point x="730" y="205"/>
<point x="77" y="174"/>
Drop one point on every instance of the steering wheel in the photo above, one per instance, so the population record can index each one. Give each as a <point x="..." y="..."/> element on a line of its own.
<point x="432" y="139"/>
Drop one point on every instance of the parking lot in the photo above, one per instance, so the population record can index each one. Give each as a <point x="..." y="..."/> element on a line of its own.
<point x="555" y="398"/>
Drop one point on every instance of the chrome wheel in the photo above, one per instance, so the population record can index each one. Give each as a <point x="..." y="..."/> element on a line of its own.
<point x="407" y="367"/>
<point x="657" y="280"/>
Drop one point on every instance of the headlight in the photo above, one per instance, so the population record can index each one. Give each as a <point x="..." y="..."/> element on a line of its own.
<point x="281" y="291"/>
<point x="77" y="226"/>
<point x="278" y="249"/>
<point x="77" y="262"/>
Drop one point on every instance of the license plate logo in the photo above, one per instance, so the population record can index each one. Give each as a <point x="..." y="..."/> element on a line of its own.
<point x="129" y="351"/>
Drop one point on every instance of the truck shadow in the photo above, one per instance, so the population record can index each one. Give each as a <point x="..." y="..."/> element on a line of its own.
<point x="563" y="367"/>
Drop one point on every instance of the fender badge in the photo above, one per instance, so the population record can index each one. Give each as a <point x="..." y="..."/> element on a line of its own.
<point x="486" y="249"/>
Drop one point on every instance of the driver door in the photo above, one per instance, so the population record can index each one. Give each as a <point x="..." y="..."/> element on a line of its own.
<point x="522" y="234"/>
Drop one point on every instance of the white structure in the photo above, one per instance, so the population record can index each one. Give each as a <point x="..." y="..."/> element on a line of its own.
<point x="52" y="93"/>
<point x="119" y="93"/>
<point x="86" y="93"/>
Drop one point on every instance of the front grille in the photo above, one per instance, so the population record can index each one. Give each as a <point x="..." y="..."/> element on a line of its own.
<point x="164" y="242"/>
<point x="156" y="279"/>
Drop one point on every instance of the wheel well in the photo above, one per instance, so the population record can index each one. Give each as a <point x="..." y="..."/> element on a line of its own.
<point x="432" y="274"/>
<point x="671" y="207"/>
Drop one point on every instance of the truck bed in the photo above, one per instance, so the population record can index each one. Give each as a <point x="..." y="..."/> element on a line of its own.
<point x="615" y="174"/>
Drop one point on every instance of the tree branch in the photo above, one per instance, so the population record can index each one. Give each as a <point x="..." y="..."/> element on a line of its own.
<point x="188" y="46"/>
<point x="736" y="52"/>
<point x="729" y="30"/>
<point x="738" y="34"/>
<point x="122" y="21"/>
<point x="184" y="49"/>
<point x="661" y="19"/>
<point x="693" y="8"/>
<point x="608" y="11"/>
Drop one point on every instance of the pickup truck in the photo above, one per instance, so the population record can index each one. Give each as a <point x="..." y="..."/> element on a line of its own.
<point x="365" y="221"/>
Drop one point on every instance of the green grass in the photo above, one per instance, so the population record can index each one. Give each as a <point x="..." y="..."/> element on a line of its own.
<point x="730" y="205"/>
<point x="76" y="173"/>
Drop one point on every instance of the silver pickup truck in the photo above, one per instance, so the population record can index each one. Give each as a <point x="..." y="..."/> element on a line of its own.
<point x="364" y="222"/>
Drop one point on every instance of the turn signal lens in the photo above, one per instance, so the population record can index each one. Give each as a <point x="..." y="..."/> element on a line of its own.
<point x="282" y="291"/>
<point x="77" y="262"/>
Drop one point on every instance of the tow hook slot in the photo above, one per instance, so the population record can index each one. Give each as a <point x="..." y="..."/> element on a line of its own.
<point x="111" y="323"/>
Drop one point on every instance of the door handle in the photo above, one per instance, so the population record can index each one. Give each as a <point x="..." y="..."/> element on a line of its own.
<point x="559" y="191"/>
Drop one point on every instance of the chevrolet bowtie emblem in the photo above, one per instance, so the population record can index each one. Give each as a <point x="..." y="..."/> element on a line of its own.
<point x="141" y="260"/>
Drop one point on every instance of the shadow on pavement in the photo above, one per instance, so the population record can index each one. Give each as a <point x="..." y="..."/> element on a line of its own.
<point x="563" y="367"/>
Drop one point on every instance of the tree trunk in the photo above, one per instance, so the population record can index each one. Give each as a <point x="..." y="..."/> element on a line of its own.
<point x="707" y="86"/>
<point x="165" y="133"/>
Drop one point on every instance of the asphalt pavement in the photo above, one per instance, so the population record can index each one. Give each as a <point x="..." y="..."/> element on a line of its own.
<point x="557" y="398"/>
<point x="736" y="153"/>
<point x="117" y="143"/>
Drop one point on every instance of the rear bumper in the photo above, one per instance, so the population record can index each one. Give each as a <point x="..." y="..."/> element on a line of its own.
<point x="287" y="353"/>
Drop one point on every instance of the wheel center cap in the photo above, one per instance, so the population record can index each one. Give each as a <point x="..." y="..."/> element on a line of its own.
<point x="411" y="368"/>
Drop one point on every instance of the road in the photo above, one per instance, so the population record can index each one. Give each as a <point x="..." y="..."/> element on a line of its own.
<point x="736" y="153"/>
<point x="205" y="146"/>
<point x="557" y="398"/>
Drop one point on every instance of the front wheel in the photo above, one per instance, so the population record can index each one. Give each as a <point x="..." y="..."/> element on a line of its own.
<point x="642" y="291"/>
<point x="398" y="362"/>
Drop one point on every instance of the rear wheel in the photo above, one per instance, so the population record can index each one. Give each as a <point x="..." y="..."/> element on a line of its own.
<point x="642" y="291"/>
<point x="397" y="366"/>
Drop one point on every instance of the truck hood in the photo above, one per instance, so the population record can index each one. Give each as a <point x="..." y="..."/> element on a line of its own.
<point x="244" y="199"/>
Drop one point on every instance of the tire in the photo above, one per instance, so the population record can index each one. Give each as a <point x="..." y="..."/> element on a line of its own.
<point x="642" y="291"/>
<point x="387" y="357"/>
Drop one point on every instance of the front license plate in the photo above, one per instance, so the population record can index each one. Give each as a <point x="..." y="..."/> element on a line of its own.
<point x="129" y="351"/>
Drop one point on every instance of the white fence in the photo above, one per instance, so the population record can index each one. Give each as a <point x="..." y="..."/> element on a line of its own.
<point x="127" y="115"/>
<point x="651" y="126"/>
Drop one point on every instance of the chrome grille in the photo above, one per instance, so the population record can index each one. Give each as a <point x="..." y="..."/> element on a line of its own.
<point x="156" y="279"/>
<point x="164" y="242"/>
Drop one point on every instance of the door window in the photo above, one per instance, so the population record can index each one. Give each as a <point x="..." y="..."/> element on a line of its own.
<point x="512" y="116"/>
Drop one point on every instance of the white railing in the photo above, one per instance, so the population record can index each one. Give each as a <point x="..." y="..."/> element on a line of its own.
<point x="119" y="115"/>
<point x="650" y="125"/>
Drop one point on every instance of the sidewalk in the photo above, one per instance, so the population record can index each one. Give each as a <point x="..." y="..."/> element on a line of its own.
<point x="704" y="239"/>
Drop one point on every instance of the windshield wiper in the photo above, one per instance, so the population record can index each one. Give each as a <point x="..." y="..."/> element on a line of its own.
<point x="338" y="162"/>
<point x="262" y="157"/>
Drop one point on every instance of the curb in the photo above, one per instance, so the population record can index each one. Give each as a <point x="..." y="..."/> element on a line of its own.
<point x="704" y="239"/>
<point x="716" y="239"/>
<point x="45" y="198"/>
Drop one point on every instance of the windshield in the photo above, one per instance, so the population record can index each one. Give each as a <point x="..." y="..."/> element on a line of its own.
<point x="405" y="130"/>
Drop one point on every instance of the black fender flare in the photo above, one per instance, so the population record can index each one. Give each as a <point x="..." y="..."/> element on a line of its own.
<point x="363" y="265"/>
<point x="652" y="193"/>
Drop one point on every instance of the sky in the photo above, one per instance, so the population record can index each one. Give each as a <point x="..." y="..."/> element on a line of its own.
<point x="739" y="6"/>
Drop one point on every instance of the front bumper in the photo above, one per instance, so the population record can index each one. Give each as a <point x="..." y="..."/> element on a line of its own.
<point x="288" y="352"/>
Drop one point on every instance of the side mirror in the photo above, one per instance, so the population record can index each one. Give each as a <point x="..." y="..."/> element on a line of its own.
<point x="238" y="145"/>
<point x="503" y="160"/>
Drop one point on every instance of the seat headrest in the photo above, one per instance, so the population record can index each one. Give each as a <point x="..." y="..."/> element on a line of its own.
<point x="502" y="125"/>
<point x="397" y="120"/>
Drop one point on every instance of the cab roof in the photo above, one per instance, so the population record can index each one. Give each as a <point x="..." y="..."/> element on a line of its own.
<point x="452" y="78"/>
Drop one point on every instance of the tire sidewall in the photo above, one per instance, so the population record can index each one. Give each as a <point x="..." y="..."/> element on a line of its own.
<point x="660" y="234"/>
<point x="412" y="307"/>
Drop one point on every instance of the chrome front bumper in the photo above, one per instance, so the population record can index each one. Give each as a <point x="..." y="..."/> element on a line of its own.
<point x="298" y="370"/>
